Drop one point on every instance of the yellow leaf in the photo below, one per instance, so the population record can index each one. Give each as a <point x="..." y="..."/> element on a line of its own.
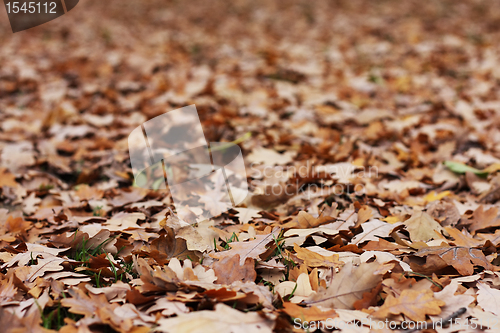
<point x="433" y="196"/>
<point x="492" y="168"/>
<point x="391" y="219"/>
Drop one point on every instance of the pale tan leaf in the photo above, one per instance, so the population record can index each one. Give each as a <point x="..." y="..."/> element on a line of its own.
<point x="223" y="319"/>
<point x="348" y="286"/>
<point x="488" y="298"/>
<point x="422" y="227"/>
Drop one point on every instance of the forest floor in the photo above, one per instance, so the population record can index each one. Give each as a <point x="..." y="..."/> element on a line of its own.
<point x="370" y="135"/>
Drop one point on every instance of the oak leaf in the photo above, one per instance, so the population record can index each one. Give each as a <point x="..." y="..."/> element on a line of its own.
<point x="493" y="238"/>
<point x="364" y="214"/>
<point x="314" y="259"/>
<point x="421" y="227"/>
<point x="270" y="156"/>
<point x="246" y="214"/>
<point x="414" y="304"/>
<point x="482" y="219"/>
<point x="348" y="286"/>
<point x="308" y="314"/>
<point x="461" y="258"/>
<point x="83" y="304"/>
<point x="200" y="238"/>
<point x="223" y="320"/>
<point x="305" y="220"/>
<point x="45" y="265"/>
<point x="30" y="204"/>
<point x="301" y="289"/>
<point x="33" y="252"/>
<point x="488" y="298"/>
<point x="251" y="249"/>
<point x="229" y="270"/>
<point x="462" y="238"/>
<point x="12" y="227"/>
<point x="6" y="178"/>
<point x="453" y="301"/>
<point x="374" y="229"/>
<point x="167" y="307"/>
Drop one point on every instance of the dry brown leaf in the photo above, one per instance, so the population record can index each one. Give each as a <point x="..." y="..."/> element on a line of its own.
<point x="312" y="313"/>
<point x="348" y="286"/>
<point x="270" y="156"/>
<point x="6" y="178"/>
<point x="482" y="219"/>
<point x="250" y="249"/>
<point x="364" y="214"/>
<point x="306" y="220"/>
<point x="488" y="298"/>
<point x="342" y="141"/>
<point x="463" y="259"/>
<point x="374" y="229"/>
<point x="52" y="264"/>
<point x="228" y="270"/>
<point x="493" y="238"/>
<point x="463" y="238"/>
<point x="313" y="259"/>
<point x="30" y="204"/>
<point x="453" y="300"/>
<point x="422" y="227"/>
<point x="83" y="304"/>
<point x="414" y="304"/>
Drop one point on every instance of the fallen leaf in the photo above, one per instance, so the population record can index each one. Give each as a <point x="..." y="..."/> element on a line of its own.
<point x="301" y="289"/>
<point x="374" y="229"/>
<point x="249" y="249"/>
<point x="6" y="178"/>
<point x="313" y="259"/>
<point x="306" y="220"/>
<point x="229" y="270"/>
<point x="482" y="219"/>
<point x="269" y="156"/>
<point x="422" y="227"/>
<point x="463" y="238"/>
<point x="86" y="305"/>
<point x="312" y="313"/>
<point x="414" y="304"/>
<point x="30" y="204"/>
<point x="223" y="319"/>
<point x="453" y="301"/>
<point x="246" y="214"/>
<point x="463" y="259"/>
<point x="348" y="286"/>
<point x="488" y="298"/>
<point x="364" y="214"/>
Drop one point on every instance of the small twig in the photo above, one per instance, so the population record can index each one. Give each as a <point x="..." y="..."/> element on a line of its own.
<point x="340" y="295"/>
<point x="425" y="276"/>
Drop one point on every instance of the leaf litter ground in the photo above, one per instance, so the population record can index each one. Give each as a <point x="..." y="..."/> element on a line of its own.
<point x="369" y="131"/>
